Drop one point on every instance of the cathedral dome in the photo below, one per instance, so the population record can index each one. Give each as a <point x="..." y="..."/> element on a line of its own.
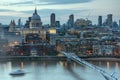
<point x="35" y="16"/>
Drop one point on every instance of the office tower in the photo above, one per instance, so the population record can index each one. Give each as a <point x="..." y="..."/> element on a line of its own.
<point x="109" y="20"/>
<point x="27" y="23"/>
<point x="100" y="21"/>
<point x="115" y="25"/>
<point x="57" y="23"/>
<point x="119" y="23"/>
<point x="19" y="22"/>
<point x="52" y="20"/>
<point x="71" y="20"/>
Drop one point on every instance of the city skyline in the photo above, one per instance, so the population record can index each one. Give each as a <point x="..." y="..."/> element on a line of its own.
<point x="90" y="9"/>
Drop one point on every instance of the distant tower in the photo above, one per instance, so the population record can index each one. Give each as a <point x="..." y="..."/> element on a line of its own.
<point x="19" y="22"/>
<point x="57" y="23"/>
<point x="71" y="17"/>
<point x="100" y="21"/>
<point x="109" y="20"/>
<point x="52" y="20"/>
<point x="12" y="26"/>
<point x="28" y="22"/>
<point x="119" y="23"/>
<point x="71" y="20"/>
<point x="115" y="25"/>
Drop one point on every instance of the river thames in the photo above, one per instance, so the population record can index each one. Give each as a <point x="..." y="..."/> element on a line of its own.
<point x="56" y="70"/>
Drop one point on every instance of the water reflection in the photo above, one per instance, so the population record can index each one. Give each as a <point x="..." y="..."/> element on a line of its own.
<point x="72" y="72"/>
<point x="54" y="70"/>
<point x="108" y="65"/>
<point x="6" y="66"/>
<point x="116" y="65"/>
<point x="22" y="65"/>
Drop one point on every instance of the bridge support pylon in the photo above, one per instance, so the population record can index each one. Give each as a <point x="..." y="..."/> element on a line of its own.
<point x="69" y="61"/>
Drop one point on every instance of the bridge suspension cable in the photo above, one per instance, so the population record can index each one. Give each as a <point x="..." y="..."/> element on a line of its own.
<point x="75" y="58"/>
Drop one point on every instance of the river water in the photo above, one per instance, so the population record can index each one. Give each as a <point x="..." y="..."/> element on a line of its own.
<point x="56" y="70"/>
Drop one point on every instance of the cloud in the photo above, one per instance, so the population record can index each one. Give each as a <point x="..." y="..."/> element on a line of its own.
<point x="22" y="3"/>
<point x="62" y="8"/>
<point x="64" y="1"/>
<point x="58" y="12"/>
<point x="61" y="15"/>
<point x="43" y="2"/>
<point x="5" y="10"/>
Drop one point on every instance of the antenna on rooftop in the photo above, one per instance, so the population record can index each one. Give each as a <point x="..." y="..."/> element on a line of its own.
<point x="87" y="17"/>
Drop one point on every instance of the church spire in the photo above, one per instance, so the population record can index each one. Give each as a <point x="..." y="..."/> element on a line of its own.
<point x="35" y="10"/>
<point x="11" y="22"/>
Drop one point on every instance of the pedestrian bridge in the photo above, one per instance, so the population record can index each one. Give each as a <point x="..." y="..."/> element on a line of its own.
<point x="74" y="57"/>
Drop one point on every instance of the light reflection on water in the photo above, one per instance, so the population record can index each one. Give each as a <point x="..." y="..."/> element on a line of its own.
<point x="116" y="65"/>
<point x="56" y="70"/>
<point x="108" y="65"/>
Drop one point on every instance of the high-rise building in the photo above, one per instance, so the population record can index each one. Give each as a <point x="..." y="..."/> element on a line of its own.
<point x="119" y="23"/>
<point x="115" y="25"/>
<point x="57" y="23"/>
<point x="109" y="20"/>
<point x="52" y="20"/>
<point x="19" y="22"/>
<point x="100" y="21"/>
<point x="27" y="23"/>
<point x="71" y="20"/>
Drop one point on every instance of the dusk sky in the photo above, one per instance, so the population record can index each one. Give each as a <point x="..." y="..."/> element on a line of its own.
<point x="91" y="9"/>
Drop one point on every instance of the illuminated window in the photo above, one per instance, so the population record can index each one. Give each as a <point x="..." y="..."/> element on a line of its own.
<point x="52" y="31"/>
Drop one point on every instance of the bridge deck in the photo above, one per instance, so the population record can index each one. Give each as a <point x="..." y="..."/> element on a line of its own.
<point x="75" y="58"/>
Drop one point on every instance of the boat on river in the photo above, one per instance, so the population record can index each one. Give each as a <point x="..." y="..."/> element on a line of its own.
<point x="18" y="72"/>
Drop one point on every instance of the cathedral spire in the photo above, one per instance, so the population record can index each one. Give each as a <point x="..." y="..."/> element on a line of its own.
<point x="35" y="10"/>
<point x="11" y="22"/>
<point x="14" y="22"/>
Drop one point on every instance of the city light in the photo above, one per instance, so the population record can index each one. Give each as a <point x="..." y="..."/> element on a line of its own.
<point x="52" y="31"/>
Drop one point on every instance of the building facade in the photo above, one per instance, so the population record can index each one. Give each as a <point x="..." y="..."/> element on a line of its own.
<point x="109" y="20"/>
<point x="12" y="26"/>
<point x="71" y="21"/>
<point x="52" y="20"/>
<point x="119" y="23"/>
<point x="35" y="21"/>
<point x="100" y="21"/>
